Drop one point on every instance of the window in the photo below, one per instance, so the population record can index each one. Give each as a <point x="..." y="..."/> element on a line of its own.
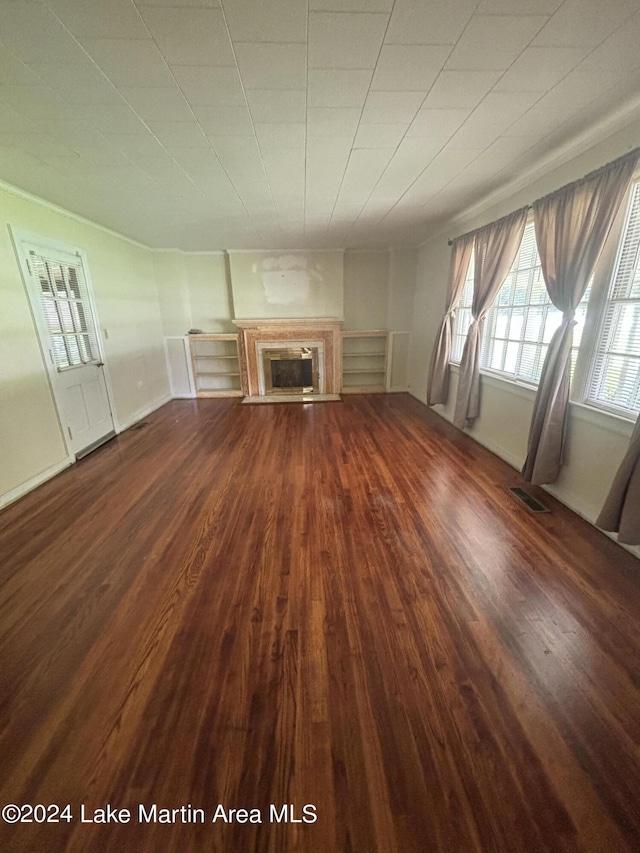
<point x="614" y="381"/>
<point x="520" y="324"/>
<point x="463" y="315"/>
<point x="522" y="320"/>
<point x="63" y="294"/>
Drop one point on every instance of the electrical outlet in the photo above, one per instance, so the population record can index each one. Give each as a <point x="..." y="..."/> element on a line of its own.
<point x="140" y="383"/>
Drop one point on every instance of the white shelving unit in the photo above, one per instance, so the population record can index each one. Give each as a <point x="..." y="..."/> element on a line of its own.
<point x="365" y="362"/>
<point x="216" y="366"/>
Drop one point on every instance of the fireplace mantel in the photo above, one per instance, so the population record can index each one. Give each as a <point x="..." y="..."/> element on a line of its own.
<point x="254" y="334"/>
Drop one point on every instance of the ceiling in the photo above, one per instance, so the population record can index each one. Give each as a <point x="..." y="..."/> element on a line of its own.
<point x="230" y="124"/>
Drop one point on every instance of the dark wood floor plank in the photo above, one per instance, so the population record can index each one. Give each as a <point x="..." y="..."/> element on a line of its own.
<point x="339" y="605"/>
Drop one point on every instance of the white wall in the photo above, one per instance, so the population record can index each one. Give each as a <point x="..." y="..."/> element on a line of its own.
<point x="379" y="289"/>
<point x="270" y="285"/>
<point x="371" y="289"/>
<point x="596" y="442"/>
<point x="402" y="286"/>
<point x="194" y="292"/>
<point x="366" y="290"/>
<point x="126" y="299"/>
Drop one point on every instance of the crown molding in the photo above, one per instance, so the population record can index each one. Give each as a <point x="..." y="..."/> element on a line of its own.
<point x="624" y="117"/>
<point x="76" y="217"/>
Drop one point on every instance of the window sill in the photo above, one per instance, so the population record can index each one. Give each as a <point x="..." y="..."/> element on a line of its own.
<point x="522" y="389"/>
<point x="581" y="411"/>
<point x="603" y="419"/>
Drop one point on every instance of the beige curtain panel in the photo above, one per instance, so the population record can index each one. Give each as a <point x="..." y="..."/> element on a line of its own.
<point x="495" y="247"/>
<point x="438" y="379"/>
<point x="571" y="228"/>
<point x="621" y="511"/>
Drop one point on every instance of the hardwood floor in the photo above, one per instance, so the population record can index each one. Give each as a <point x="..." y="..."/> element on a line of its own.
<point x="337" y="605"/>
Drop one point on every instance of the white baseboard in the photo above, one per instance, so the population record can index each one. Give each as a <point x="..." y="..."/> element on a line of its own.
<point x="158" y="404"/>
<point x="34" y="482"/>
<point x="39" y="479"/>
<point x="568" y="501"/>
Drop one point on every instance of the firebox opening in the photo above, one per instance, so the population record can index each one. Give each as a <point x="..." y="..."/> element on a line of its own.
<point x="293" y="370"/>
<point x="292" y="373"/>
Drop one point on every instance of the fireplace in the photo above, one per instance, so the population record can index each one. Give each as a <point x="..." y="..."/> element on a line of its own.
<point x="291" y="370"/>
<point x="277" y="355"/>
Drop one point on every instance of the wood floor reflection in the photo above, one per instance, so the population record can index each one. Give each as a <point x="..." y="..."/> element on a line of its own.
<point x="337" y="606"/>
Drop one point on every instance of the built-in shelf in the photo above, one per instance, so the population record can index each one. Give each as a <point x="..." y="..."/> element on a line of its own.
<point x="364" y="362"/>
<point x="216" y="366"/>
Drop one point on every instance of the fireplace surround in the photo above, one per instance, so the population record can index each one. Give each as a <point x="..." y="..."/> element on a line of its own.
<point x="263" y="342"/>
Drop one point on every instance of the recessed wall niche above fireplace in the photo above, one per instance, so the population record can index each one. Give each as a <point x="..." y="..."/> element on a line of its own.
<point x="290" y="357"/>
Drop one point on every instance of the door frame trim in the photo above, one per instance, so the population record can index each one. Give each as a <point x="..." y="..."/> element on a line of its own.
<point x="22" y="240"/>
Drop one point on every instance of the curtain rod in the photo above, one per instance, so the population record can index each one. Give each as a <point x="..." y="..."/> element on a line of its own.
<point x="635" y="152"/>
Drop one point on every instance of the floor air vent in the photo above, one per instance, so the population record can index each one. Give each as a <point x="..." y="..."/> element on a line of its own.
<point x="527" y="500"/>
<point x="141" y="425"/>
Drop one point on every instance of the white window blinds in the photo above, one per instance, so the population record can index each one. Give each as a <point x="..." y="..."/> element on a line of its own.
<point x="64" y="301"/>
<point x="614" y="381"/>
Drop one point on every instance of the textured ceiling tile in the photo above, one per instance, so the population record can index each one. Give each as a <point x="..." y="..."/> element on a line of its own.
<point x="437" y="123"/>
<point x="584" y="22"/>
<point x="282" y="105"/>
<point x="272" y="66"/>
<point x="538" y="69"/>
<point x="428" y="21"/>
<point x="75" y="133"/>
<point x="14" y="71"/>
<point x="88" y="87"/>
<point x="578" y="89"/>
<point x="130" y="62"/>
<point x="97" y="19"/>
<point x="411" y="68"/>
<point x="415" y="143"/>
<point x="158" y="104"/>
<point x="274" y="135"/>
<point x="364" y="168"/>
<point x="207" y="86"/>
<point x="339" y="147"/>
<point x="492" y="42"/>
<point x="619" y="52"/>
<point x="36" y="35"/>
<point x="391" y="107"/>
<point x="351" y="5"/>
<point x="460" y="89"/>
<point x="39" y="102"/>
<point x="11" y="120"/>
<point x="518" y="7"/>
<point x="114" y="118"/>
<point x="183" y="134"/>
<point x="326" y="121"/>
<point x="225" y="121"/>
<point x="197" y="4"/>
<point x="190" y="36"/>
<point x="345" y="40"/>
<point x="502" y="108"/>
<point x="338" y="88"/>
<point x="38" y="145"/>
<point x="379" y="135"/>
<point x="267" y="20"/>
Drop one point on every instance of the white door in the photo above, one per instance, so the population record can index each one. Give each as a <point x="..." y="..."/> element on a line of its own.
<point x="59" y="295"/>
